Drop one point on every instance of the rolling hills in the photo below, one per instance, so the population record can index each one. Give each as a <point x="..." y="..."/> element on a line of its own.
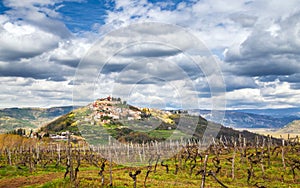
<point x="29" y="118"/>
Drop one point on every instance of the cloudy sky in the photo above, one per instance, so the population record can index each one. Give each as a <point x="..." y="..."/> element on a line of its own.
<point x="54" y="51"/>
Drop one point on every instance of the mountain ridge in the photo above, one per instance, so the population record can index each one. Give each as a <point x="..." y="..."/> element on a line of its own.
<point x="239" y="119"/>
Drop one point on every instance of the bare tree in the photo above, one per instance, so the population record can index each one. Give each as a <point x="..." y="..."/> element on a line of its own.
<point x="134" y="176"/>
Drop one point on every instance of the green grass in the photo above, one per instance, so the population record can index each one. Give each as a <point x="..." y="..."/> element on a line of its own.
<point x="56" y="183"/>
<point x="88" y="177"/>
<point x="88" y="173"/>
<point x="18" y="171"/>
<point x="13" y="171"/>
<point x="165" y="134"/>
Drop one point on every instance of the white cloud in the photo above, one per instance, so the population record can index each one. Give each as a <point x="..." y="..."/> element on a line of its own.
<point x="24" y="41"/>
<point x="244" y="98"/>
<point x="27" y="3"/>
<point x="271" y="49"/>
<point x="148" y="56"/>
<point x="273" y="94"/>
<point x="24" y="92"/>
<point x="70" y="51"/>
<point x="257" y="38"/>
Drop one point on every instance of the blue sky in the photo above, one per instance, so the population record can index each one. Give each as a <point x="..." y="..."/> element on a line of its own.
<point x="84" y="15"/>
<point x="255" y="44"/>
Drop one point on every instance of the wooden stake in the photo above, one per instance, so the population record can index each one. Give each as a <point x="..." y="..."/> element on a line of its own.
<point x="204" y="171"/>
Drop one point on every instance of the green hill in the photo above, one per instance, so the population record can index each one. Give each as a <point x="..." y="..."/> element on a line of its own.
<point x="127" y="123"/>
<point x="28" y="118"/>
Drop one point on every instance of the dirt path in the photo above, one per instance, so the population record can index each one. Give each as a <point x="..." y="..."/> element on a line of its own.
<point x="30" y="180"/>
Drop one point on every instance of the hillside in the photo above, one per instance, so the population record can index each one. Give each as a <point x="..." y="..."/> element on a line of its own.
<point x="239" y="119"/>
<point x="127" y="123"/>
<point x="293" y="127"/>
<point x="28" y="118"/>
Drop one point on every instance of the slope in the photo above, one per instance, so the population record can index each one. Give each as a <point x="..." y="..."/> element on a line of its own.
<point x="127" y="123"/>
<point x="28" y="118"/>
<point x="293" y="127"/>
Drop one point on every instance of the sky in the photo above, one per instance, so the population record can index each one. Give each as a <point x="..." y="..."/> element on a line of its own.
<point x="250" y="56"/>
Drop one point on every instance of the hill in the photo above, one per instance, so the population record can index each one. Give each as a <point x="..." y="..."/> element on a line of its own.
<point x="240" y="119"/>
<point x="29" y="118"/>
<point x="127" y="123"/>
<point x="293" y="128"/>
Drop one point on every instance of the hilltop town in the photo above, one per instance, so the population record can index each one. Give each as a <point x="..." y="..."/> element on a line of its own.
<point x="109" y="108"/>
<point x="108" y="112"/>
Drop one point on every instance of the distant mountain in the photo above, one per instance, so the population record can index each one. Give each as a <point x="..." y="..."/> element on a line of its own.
<point x="239" y="119"/>
<point x="29" y="118"/>
<point x="276" y="113"/>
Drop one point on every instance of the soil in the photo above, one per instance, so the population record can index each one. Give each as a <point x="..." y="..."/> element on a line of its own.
<point x="30" y="180"/>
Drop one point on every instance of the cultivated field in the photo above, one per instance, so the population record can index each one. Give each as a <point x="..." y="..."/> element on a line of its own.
<point x="228" y="162"/>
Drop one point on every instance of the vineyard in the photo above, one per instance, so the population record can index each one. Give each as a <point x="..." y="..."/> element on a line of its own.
<point x="227" y="162"/>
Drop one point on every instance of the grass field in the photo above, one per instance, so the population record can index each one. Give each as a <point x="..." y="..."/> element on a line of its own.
<point x="88" y="177"/>
<point x="186" y="169"/>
